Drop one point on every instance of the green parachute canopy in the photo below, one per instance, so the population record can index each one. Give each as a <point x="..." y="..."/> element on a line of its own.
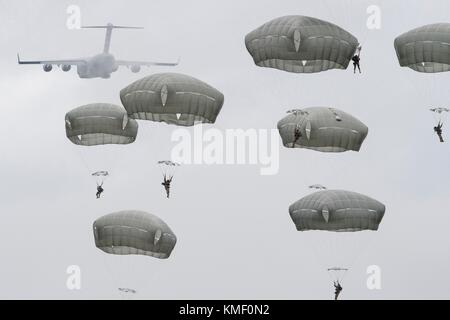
<point x="322" y="129"/>
<point x="336" y="210"/>
<point x="172" y="98"/>
<point x="134" y="232"/>
<point x="425" y="49"/>
<point x="99" y="124"/>
<point x="301" y="44"/>
<point x="439" y="110"/>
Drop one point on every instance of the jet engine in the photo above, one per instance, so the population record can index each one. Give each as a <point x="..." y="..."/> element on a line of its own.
<point x="65" y="67"/>
<point x="135" y="68"/>
<point x="47" y="67"/>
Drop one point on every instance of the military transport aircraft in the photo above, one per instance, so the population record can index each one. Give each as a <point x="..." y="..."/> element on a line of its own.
<point x="100" y="65"/>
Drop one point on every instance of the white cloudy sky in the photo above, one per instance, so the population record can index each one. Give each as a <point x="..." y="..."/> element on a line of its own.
<point x="235" y="236"/>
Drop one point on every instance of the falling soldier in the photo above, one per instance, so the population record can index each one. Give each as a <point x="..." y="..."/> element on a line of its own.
<point x="166" y="184"/>
<point x="356" y="59"/>
<point x="99" y="190"/>
<point x="297" y="135"/>
<point x="438" y="130"/>
<point x="337" y="289"/>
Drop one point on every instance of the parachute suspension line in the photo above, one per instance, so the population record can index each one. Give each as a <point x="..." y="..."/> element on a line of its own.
<point x="132" y="267"/>
<point x="127" y="269"/>
<point x="162" y="171"/>
<point x="120" y="268"/>
<point x="160" y="143"/>
<point x="319" y="259"/>
<point x="329" y="262"/>
<point x="83" y="160"/>
<point x="337" y="273"/>
<point x="433" y="90"/>
<point x="149" y="138"/>
<point x="151" y="279"/>
<point x="112" y="275"/>
<point x="340" y="250"/>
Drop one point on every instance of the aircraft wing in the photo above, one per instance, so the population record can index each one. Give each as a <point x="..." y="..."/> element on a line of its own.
<point x="72" y="62"/>
<point x="145" y="63"/>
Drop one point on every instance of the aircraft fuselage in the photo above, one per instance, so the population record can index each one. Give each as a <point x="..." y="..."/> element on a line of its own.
<point x="98" y="66"/>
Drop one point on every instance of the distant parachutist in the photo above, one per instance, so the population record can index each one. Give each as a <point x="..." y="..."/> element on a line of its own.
<point x="356" y="59"/>
<point x="438" y="130"/>
<point x="99" y="190"/>
<point x="337" y="289"/>
<point x="127" y="290"/>
<point x="297" y="135"/>
<point x="168" y="171"/>
<point x="317" y="186"/>
<point x="166" y="184"/>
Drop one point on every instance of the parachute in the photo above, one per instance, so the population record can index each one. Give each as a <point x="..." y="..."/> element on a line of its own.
<point x="425" y="49"/>
<point x="322" y="129"/>
<point x="168" y="167"/>
<point x="100" y="176"/>
<point x="297" y="112"/>
<point x="317" y="186"/>
<point x="134" y="232"/>
<point x="337" y="273"/>
<point x="172" y="98"/>
<point x="127" y="290"/>
<point x="301" y="44"/>
<point x="338" y="222"/>
<point x="336" y="210"/>
<point x="129" y="237"/>
<point x="99" y="131"/>
<point x="439" y="114"/>
<point x="439" y="110"/>
<point x="168" y="163"/>
<point x="99" y="124"/>
<point x="168" y="170"/>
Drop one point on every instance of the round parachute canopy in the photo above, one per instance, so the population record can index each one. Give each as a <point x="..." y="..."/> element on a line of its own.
<point x="439" y="110"/>
<point x="100" y="123"/>
<point x="322" y="129"/>
<point x="425" y="49"/>
<point x="168" y="167"/>
<point x="168" y="163"/>
<point x="172" y="98"/>
<point x="134" y="232"/>
<point x="317" y="186"/>
<point x="336" y="210"/>
<point x="301" y="44"/>
<point x="100" y="174"/>
<point x="127" y="290"/>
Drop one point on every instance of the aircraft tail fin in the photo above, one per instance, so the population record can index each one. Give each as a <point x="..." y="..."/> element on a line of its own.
<point x="109" y="27"/>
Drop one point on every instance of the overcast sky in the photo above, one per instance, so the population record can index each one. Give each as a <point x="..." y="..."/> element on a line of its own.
<point x="235" y="237"/>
